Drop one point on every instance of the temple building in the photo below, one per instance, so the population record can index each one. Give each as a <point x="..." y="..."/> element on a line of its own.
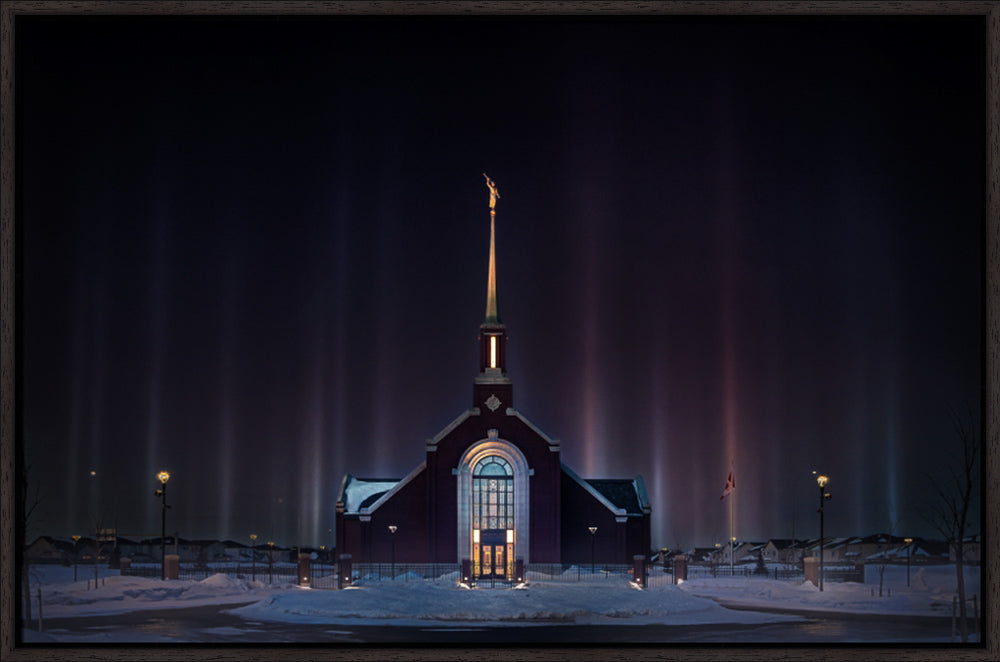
<point x="492" y="487"/>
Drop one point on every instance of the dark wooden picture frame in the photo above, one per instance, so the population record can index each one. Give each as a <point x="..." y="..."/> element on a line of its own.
<point x="11" y="11"/>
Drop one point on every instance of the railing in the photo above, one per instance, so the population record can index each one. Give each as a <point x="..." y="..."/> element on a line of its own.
<point x="261" y="573"/>
<point x="373" y="573"/>
<point x="658" y="575"/>
<point x="844" y="575"/>
<point x="566" y="572"/>
<point x="700" y="571"/>
<point x="325" y="575"/>
<point x="788" y="573"/>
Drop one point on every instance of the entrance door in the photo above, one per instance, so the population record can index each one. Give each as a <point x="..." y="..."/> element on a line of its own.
<point x="494" y="545"/>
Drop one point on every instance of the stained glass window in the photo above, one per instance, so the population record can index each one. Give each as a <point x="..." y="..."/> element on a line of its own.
<point x="493" y="494"/>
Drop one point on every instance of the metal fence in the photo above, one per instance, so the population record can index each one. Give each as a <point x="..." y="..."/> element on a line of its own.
<point x="789" y="573"/>
<point x="372" y="573"/>
<point x="566" y="572"/>
<point x="325" y="575"/>
<point x="844" y="575"/>
<point x="722" y="570"/>
<point x="658" y="575"/>
<point x="283" y="573"/>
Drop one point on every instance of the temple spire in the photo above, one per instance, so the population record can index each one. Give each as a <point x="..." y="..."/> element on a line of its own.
<point x="492" y="310"/>
<point x="492" y="386"/>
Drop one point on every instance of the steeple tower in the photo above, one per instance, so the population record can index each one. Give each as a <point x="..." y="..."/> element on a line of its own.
<point x="492" y="311"/>
<point x="492" y="386"/>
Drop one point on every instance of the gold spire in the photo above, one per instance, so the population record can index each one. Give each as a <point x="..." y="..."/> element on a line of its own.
<point x="492" y="310"/>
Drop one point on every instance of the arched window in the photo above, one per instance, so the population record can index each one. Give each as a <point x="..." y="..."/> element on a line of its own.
<point x="492" y="494"/>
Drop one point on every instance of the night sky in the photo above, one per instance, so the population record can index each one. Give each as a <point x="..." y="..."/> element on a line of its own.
<point x="254" y="254"/>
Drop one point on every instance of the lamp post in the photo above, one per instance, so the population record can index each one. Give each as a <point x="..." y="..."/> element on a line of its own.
<point x="76" y="553"/>
<point x="270" y="561"/>
<point x="909" y="553"/>
<point x="593" y="537"/>
<point x="253" y="557"/>
<point x="823" y="496"/>
<point x="392" y="538"/>
<point x="163" y="477"/>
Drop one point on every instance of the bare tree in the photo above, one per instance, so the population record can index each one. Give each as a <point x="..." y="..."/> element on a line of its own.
<point x="951" y="512"/>
<point x="883" y="557"/>
<point x="30" y="498"/>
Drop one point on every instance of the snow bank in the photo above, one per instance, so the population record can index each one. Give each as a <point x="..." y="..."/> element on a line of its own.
<point x="421" y="603"/>
<point x="930" y="592"/>
<point x="117" y="594"/>
<point x="697" y="601"/>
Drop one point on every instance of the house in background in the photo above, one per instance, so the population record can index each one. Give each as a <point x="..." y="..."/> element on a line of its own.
<point x="784" y="550"/>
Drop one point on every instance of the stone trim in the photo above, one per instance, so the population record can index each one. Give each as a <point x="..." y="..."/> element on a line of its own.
<point x="432" y="443"/>
<point x="553" y="443"/>
<point x="463" y="472"/>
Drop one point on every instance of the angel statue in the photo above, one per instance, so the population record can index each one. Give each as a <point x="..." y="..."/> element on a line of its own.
<point x="494" y="194"/>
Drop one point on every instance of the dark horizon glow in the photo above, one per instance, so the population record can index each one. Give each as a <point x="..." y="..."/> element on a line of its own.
<point x="255" y="255"/>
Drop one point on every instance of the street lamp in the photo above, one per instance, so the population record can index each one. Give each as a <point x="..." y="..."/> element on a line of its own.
<point x="823" y="496"/>
<point x="593" y="536"/>
<point x="392" y="537"/>
<point x="163" y="477"/>
<point x="76" y="553"/>
<point x="253" y="557"/>
<point x="270" y="561"/>
<point x="909" y="553"/>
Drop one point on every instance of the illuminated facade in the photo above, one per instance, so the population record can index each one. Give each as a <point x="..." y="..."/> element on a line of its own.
<point x="492" y="489"/>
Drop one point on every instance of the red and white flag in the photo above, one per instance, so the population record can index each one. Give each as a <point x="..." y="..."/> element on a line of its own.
<point x="730" y="486"/>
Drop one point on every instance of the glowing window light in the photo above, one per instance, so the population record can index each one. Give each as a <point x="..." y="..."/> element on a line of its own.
<point x="510" y="535"/>
<point x="475" y="535"/>
<point x="493" y="351"/>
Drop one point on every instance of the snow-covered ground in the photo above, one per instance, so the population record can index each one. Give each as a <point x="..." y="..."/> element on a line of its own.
<point x="930" y="593"/>
<point x="421" y="603"/>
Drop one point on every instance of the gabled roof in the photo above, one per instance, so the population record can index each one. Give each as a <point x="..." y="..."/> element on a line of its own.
<point x="60" y="544"/>
<point x="880" y="538"/>
<point x="619" y="491"/>
<point x="364" y="495"/>
<point x="357" y="493"/>
<point x="701" y="553"/>
<point x="616" y="490"/>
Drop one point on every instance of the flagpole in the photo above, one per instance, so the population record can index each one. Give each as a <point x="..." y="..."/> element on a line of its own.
<point x="728" y="492"/>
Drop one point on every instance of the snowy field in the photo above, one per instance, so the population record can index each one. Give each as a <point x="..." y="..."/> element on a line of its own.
<point x="695" y="602"/>
<point x="930" y="593"/>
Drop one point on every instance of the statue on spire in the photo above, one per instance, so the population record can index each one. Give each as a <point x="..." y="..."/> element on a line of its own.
<point x="494" y="193"/>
